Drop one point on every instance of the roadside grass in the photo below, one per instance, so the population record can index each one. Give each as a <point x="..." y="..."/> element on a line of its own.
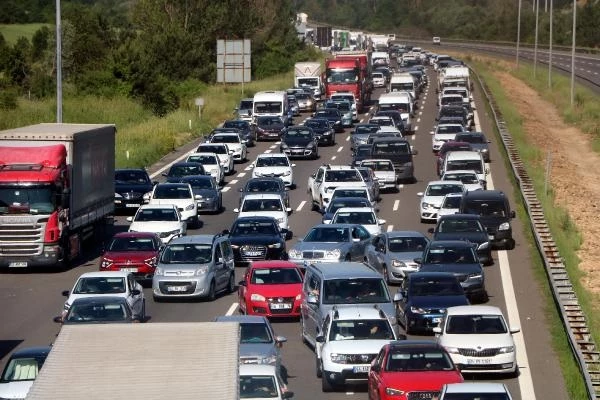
<point x="12" y="32"/>
<point x="563" y="230"/>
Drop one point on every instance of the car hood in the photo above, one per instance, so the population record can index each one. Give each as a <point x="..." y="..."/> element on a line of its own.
<point x="457" y="269"/>
<point x="123" y="256"/>
<point x="407" y="256"/>
<point x="271" y="171"/>
<point x="271" y="128"/>
<point x="180" y="203"/>
<point x="205" y="193"/>
<point x="444" y="136"/>
<point x="73" y="297"/>
<point x="15" y="390"/>
<point x="302" y="246"/>
<point x="438" y="301"/>
<point x="293" y="142"/>
<point x="257" y="349"/>
<point x="435" y="200"/>
<point x="155" y="226"/>
<point x="254" y="239"/>
<point x="470" y="341"/>
<point x="421" y="380"/>
<point x="474" y="237"/>
<point x="364" y="346"/>
<point x="280" y="290"/>
<point x="273" y="214"/>
<point x="134" y="188"/>
<point x="385" y="174"/>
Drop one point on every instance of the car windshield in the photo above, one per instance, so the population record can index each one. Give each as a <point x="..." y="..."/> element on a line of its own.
<point x="350" y="193"/>
<point x="225" y="139"/>
<point x="442" y="190"/>
<point x="156" y="214"/>
<point x="316" y="123"/>
<point x="267" y="121"/>
<point x="203" y="159"/>
<point x="345" y="106"/>
<point x="199" y="183"/>
<point x="328" y="235"/>
<point x="97" y="312"/>
<point x="298" y="133"/>
<point x="327" y="113"/>
<point x="213" y="149"/>
<point x="272" y="162"/>
<point x="363" y="151"/>
<point x="132" y="177"/>
<point x="251" y="205"/>
<point x="22" y="369"/>
<point x="378" y="165"/>
<point x="462" y="177"/>
<point x="457" y="225"/>
<point x="254" y="228"/>
<point x="132" y="244"/>
<point x="435" y="287"/>
<point x="336" y="205"/>
<point x="451" y="202"/>
<point x="476" y="396"/>
<point x="366" y="129"/>
<point x="184" y="170"/>
<point x="355" y="291"/>
<point x="355" y="217"/>
<point x="361" y="329"/>
<point x="476" y="324"/>
<point x="471" y="138"/>
<point x="486" y="208"/>
<point x="263" y="186"/>
<point x="418" y="360"/>
<point x="474" y="165"/>
<point x="450" y="255"/>
<point x="258" y="387"/>
<point x="172" y="192"/>
<point x="188" y="253"/>
<point x="391" y="148"/>
<point x="406" y="244"/>
<point x="275" y="276"/>
<point x="268" y="107"/>
<point x="448" y="129"/>
<point x="345" y="175"/>
<point x="236" y="124"/>
<point x="382" y="121"/>
<point x="254" y="333"/>
<point x="100" y="285"/>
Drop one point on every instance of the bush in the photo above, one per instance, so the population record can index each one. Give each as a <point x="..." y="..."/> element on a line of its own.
<point x="8" y="99"/>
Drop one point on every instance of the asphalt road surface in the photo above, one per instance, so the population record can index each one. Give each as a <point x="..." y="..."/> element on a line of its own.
<point x="30" y="299"/>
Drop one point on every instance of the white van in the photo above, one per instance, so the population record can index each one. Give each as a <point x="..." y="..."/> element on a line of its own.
<point x="465" y="160"/>
<point x="403" y="82"/>
<point x="399" y="101"/>
<point x="271" y="104"/>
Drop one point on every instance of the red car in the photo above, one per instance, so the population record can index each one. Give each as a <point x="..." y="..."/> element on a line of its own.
<point x="271" y="289"/>
<point x="446" y="147"/>
<point x="135" y="252"/>
<point x="411" y="369"/>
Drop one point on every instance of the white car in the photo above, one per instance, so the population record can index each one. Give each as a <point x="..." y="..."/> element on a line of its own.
<point x="475" y="390"/>
<point x="274" y="165"/>
<point x="383" y="120"/>
<point x="162" y="219"/>
<point x="432" y="198"/>
<point x="359" y="215"/>
<point x="222" y="151"/>
<point x="468" y="177"/>
<point x="262" y="382"/>
<point x="179" y="194"/>
<point x="108" y="284"/>
<point x="323" y="183"/>
<point x="211" y="164"/>
<point x="384" y="172"/>
<point x="234" y="143"/>
<point x="450" y="205"/>
<point x="444" y="133"/>
<point x="350" y="339"/>
<point x="265" y="205"/>
<point x="478" y="339"/>
<point x="378" y="79"/>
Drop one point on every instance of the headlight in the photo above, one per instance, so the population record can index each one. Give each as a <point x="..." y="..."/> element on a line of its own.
<point x="235" y="246"/>
<point x="190" y="207"/>
<point x="106" y="263"/>
<point x="483" y="246"/>
<point x="452" y="350"/>
<point x="151" y="261"/>
<point x="504" y="226"/>
<point x="274" y="246"/>
<point x="338" y="122"/>
<point x="299" y="296"/>
<point x="159" y="271"/>
<point x="214" y="171"/>
<point x="477" y="276"/>
<point x="201" y="271"/>
<point x="287" y="173"/>
<point x="295" y="253"/>
<point x="281" y="220"/>
<point x="398" y="264"/>
<point x="426" y="205"/>
<point x="333" y="253"/>
<point x="507" y="349"/>
<point x="484" y="150"/>
<point x="118" y="196"/>
<point x="257" y="297"/>
<point x="393" y="392"/>
<point x="271" y="360"/>
<point x="329" y="132"/>
<point x="338" y="358"/>
<point x="417" y="310"/>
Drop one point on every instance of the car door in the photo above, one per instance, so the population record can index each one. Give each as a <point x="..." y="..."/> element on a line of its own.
<point x="219" y="267"/>
<point x="324" y="333"/>
<point x="316" y="185"/>
<point x="374" y="375"/>
<point x="374" y="251"/>
<point x="313" y="312"/>
<point x="135" y="301"/>
<point x="364" y="238"/>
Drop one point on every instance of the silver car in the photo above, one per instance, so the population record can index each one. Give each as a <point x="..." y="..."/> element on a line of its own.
<point x="331" y="243"/>
<point x="258" y="343"/>
<point x="197" y="266"/>
<point x="393" y="253"/>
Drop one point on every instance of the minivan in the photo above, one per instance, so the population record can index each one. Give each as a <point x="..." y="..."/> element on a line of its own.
<point x="336" y="284"/>
<point x="494" y="209"/>
<point x="399" y="152"/>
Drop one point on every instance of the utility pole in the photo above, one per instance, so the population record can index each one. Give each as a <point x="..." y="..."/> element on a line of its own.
<point x="518" y="30"/>
<point x="59" y="110"/>
<point x="550" y="48"/>
<point x="537" y="17"/>
<point x="573" y="53"/>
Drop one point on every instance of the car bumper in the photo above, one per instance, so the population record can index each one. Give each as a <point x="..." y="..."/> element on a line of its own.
<point x="499" y="239"/>
<point x="293" y="152"/>
<point x="140" y="271"/>
<point x="347" y="374"/>
<point x="387" y="184"/>
<point x="398" y="274"/>
<point x="237" y="156"/>
<point x="256" y="253"/>
<point x="268" y="135"/>
<point x="301" y="262"/>
<point x="501" y="363"/>
<point x="207" y="205"/>
<point x="128" y="204"/>
<point x="429" y="214"/>
<point x="185" y="286"/>
<point x="405" y="172"/>
<point x="269" y="310"/>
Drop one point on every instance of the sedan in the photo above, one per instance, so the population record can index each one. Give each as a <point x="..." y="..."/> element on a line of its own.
<point x="361" y="133"/>
<point x="274" y="165"/>
<point x="130" y="187"/>
<point x="333" y="115"/>
<point x="211" y="164"/>
<point x="256" y="239"/>
<point x="20" y="371"/>
<point x="162" y="219"/>
<point x="411" y="366"/>
<point x="266" y="185"/>
<point x="306" y="102"/>
<point x="272" y="289"/>
<point x="207" y="193"/>
<point x="465" y="227"/>
<point x="181" y="169"/>
<point x="98" y="310"/>
<point x="323" y="131"/>
<point x="269" y="128"/>
<point x="110" y="284"/>
<point x="432" y="197"/>
<point x="134" y="252"/>
<point x="246" y="129"/>
<point x="299" y="141"/>
<point x="340" y="202"/>
<point x="359" y="215"/>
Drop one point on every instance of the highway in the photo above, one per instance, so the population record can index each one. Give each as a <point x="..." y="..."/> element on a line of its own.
<point x="30" y="299"/>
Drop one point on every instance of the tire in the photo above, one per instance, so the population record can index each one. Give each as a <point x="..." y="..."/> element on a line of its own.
<point x="157" y="299"/>
<point x="348" y="258"/>
<point x="319" y="370"/>
<point x="326" y="386"/>
<point x="510" y="244"/>
<point x="231" y="284"/>
<point x="212" y="294"/>
<point x="143" y="314"/>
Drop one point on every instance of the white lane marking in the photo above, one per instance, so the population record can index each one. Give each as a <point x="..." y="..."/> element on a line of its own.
<point x="416" y="128"/>
<point x="241" y="175"/>
<point x="401" y="186"/>
<point x="232" y="309"/>
<point x="390" y="228"/>
<point x="302" y="203"/>
<point x="340" y="149"/>
<point x="418" y="119"/>
<point x="348" y="139"/>
<point x="333" y="158"/>
<point x="226" y="189"/>
<point x="272" y="147"/>
<point x="420" y="113"/>
<point x="413" y="137"/>
<point x="277" y="142"/>
<point x="164" y="168"/>
<point x="233" y="182"/>
<point x="396" y="205"/>
<point x="268" y="151"/>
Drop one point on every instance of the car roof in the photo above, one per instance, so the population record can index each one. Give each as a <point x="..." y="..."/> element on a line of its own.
<point x="28" y="352"/>
<point x="257" y="369"/>
<point x="461" y="217"/>
<point x="174" y="184"/>
<point x="257" y="218"/>
<point x="355" y="209"/>
<point x="261" y="196"/>
<point x="389" y="139"/>
<point x="102" y="274"/>
<point x="377" y="160"/>
<point x="185" y="179"/>
<point x="351" y="199"/>
<point x="202" y="153"/>
<point x="134" y="235"/>
<point x="185" y="163"/>
<point x="486" y="194"/>
<point x="269" y="155"/>
<point x="264" y="178"/>
<point x="246" y="319"/>
<point x="157" y="206"/>
<point x="199" y="239"/>
<point x="448" y="243"/>
<point x="431" y="275"/>
<point x="473" y="310"/>
<point x="226" y="133"/>
<point x="355" y="312"/>
<point x="404" y="234"/>
<point x="460" y="171"/>
<point x="273" y="264"/>
<point x="476" y="387"/>
<point x="440" y="182"/>
<point x="99" y="299"/>
<point x="339" y="167"/>
<point x="349" y="270"/>
<point x="422" y="344"/>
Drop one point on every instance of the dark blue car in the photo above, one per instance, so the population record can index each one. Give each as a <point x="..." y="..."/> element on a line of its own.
<point x="424" y="297"/>
<point x="131" y="185"/>
<point x="467" y="227"/>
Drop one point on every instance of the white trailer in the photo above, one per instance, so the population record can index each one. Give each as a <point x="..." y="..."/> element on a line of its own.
<point x="308" y="74"/>
<point x="153" y="361"/>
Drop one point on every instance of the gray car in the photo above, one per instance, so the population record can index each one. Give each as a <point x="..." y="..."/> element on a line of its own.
<point x="258" y="343"/>
<point x="393" y="253"/>
<point x="196" y="266"/>
<point x="478" y="142"/>
<point x="206" y="192"/>
<point x="331" y="243"/>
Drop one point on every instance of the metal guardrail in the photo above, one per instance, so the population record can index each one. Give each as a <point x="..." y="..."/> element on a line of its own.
<point x="580" y="339"/>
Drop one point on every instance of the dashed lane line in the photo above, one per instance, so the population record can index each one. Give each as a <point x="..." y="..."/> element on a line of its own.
<point x="333" y="158"/>
<point x="241" y="175"/>
<point x="390" y="228"/>
<point x="302" y="203"/>
<point x="396" y="205"/>
<point x="272" y="147"/>
<point x="226" y="189"/>
<point x="233" y="182"/>
<point x="348" y="139"/>
<point x="268" y="151"/>
<point x="340" y="149"/>
<point x="248" y="168"/>
<point x="232" y="309"/>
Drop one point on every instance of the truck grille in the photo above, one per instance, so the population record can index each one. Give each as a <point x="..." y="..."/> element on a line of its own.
<point x="478" y="353"/>
<point x="422" y="395"/>
<point x="21" y="238"/>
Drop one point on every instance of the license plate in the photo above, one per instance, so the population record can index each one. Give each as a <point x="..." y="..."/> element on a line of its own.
<point x="282" y="306"/>
<point x="177" y="288"/>
<point x="478" y="361"/>
<point x="491" y="237"/>
<point x="361" y="368"/>
<point x="253" y="253"/>
<point x="436" y="319"/>
<point x="18" y="264"/>
<point x="132" y="205"/>
<point x="129" y="269"/>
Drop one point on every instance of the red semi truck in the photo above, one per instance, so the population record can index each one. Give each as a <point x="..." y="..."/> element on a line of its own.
<point x="56" y="191"/>
<point x="350" y="71"/>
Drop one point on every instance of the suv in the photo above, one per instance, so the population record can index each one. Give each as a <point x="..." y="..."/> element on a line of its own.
<point x="179" y="194"/>
<point x="493" y="208"/>
<point x="274" y="165"/>
<point x="350" y="340"/>
<point x="299" y="141"/>
<point x="222" y="151"/>
<point x="196" y="266"/>
<point x="322" y="184"/>
<point x="130" y="187"/>
<point x="335" y="284"/>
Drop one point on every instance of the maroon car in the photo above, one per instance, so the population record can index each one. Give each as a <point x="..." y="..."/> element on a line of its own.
<point x="135" y="252"/>
<point x="446" y="147"/>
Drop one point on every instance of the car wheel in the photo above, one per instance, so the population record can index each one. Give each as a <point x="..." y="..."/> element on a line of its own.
<point x="326" y="385"/>
<point x="143" y="313"/>
<point x="231" y="283"/>
<point x="211" y="292"/>
<point x="510" y="244"/>
<point x="157" y="299"/>
<point x="348" y="258"/>
<point x="319" y="369"/>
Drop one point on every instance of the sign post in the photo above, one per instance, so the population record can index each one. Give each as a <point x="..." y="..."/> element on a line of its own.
<point x="234" y="61"/>
<point x="200" y="103"/>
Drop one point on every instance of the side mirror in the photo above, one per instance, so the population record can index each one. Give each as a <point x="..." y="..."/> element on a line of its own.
<point x="381" y="221"/>
<point x="312" y="299"/>
<point x="225" y="232"/>
<point x="398" y="296"/>
<point x="154" y="183"/>
<point x="431" y="230"/>
<point x="197" y="197"/>
<point x="129" y="219"/>
<point x="220" y="260"/>
<point x="418" y="260"/>
<point x="293" y="165"/>
<point x="242" y="283"/>
<point x="65" y="293"/>
<point x="512" y="214"/>
<point x="236" y="210"/>
<point x="320" y="339"/>
<point x="356" y="240"/>
<point x="58" y="319"/>
<point x="514" y="329"/>
<point x="287" y="395"/>
<point x="288" y="235"/>
<point x="414" y="151"/>
<point x="136" y="292"/>
<point x="280" y="339"/>
<point x="288" y="209"/>
<point x="431" y="132"/>
<point x="420" y="194"/>
<point x="437" y="330"/>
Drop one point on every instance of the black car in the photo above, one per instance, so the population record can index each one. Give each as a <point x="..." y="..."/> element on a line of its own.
<point x="256" y="239"/>
<point x="322" y="129"/>
<point x="478" y="142"/>
<point x="454" y="120"/>
<point x="246" y="130"/>
<point x="269" y="128"/>
<point x="265" y="185"/>
<point x="395" y="115"/>
<point x="130" y="187"/>
<point x="361" y="152"/>
<point x="457" y="257"/>
<point x="98" y="310"/>
<point x="206" y="192"/>
<point x="493" y="208"/>
<point x="333" y="115"/>
<point x="23" y="366"/>
<point x="454" y="111"/>
<point x="361" y="133"/>
<point x="340" y="202"/>
<point x="465" y="227"/>
<point x="181" y="169"/>
<point x="299" y="141"/>
<point x="423" y="298"/>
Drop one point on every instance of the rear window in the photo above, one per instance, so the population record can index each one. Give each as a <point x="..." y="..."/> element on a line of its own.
<point x="494" y="208"/>
<point x="391" y="148"/>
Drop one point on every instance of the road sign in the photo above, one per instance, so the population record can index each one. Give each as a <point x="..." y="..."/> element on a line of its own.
<point x="233" y="61"/>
